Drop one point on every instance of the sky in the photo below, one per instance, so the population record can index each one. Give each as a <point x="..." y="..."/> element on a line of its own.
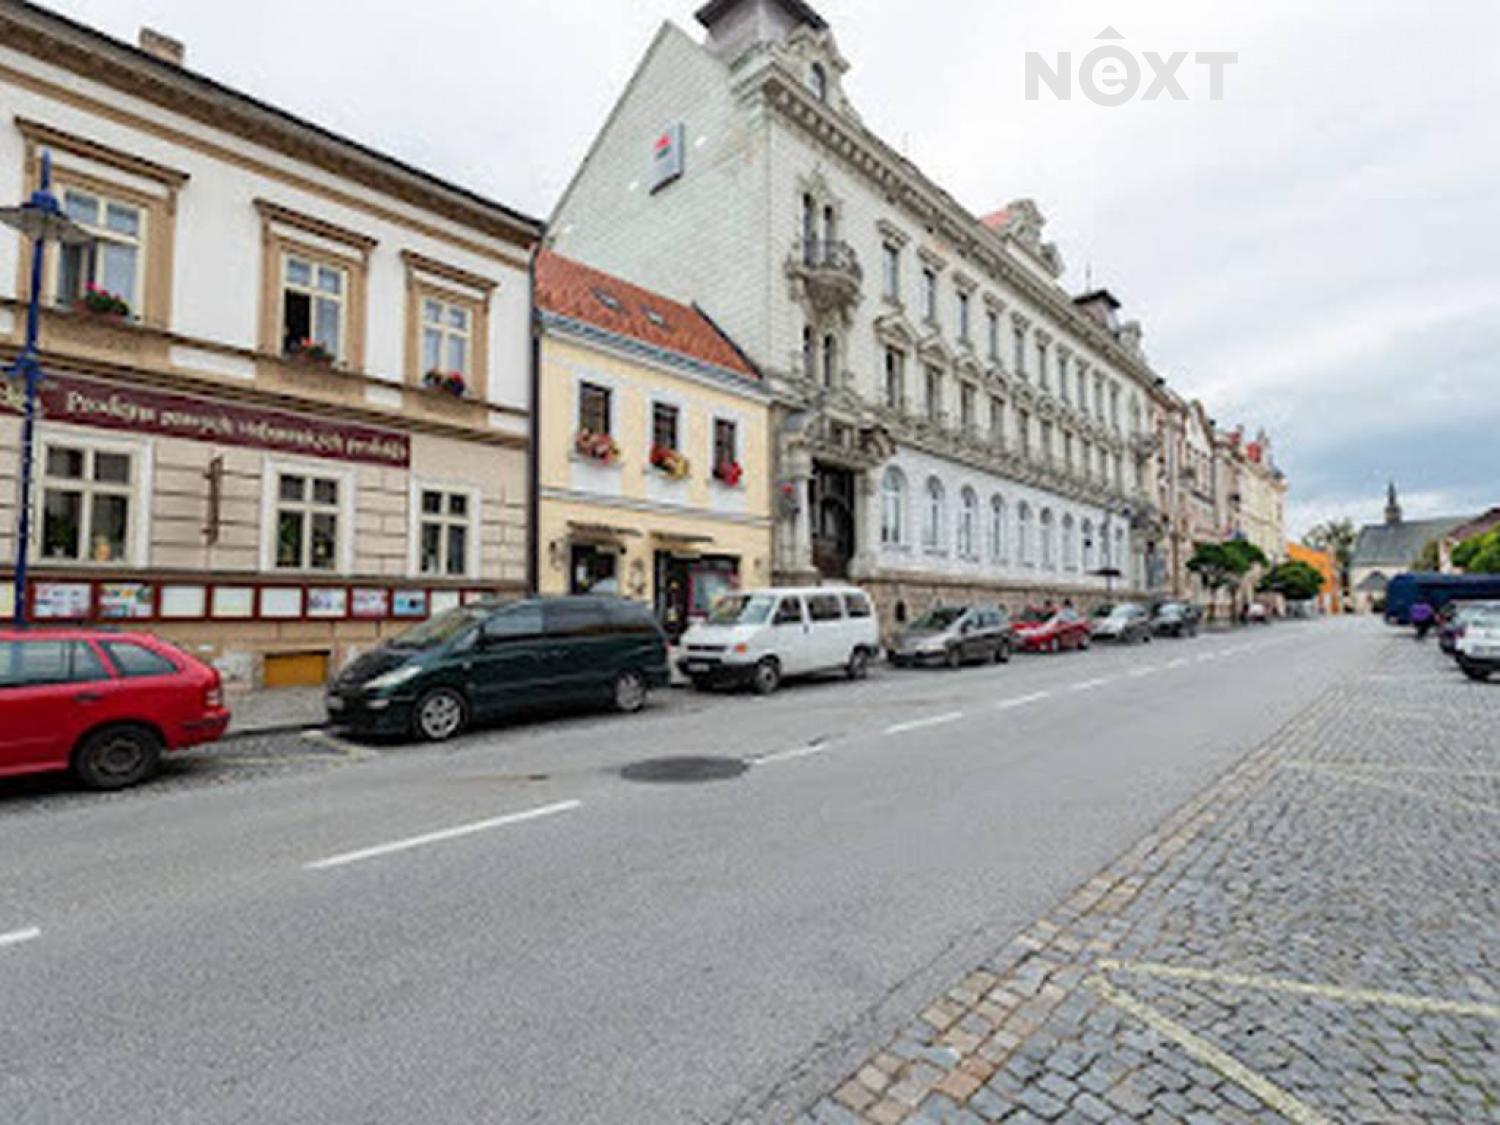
<point x="1315" y="252"/>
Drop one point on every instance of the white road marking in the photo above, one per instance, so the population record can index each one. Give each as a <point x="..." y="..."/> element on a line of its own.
<point x="793" y="753"/>
<point x="1426" y="1004"/>
<point x="919" y="724"/>
<point x="1089" y="685"/>
<point x="1021" y="700"/>
<point x="1205" y="657"/>
<point x="16" y="937"/>
<point x="440" y="836"/>
<point x="348" y="749"/>
<point x="1205" y="1052"/>
<point x="1180" y="662"/>
<point x="1144" y="670"/>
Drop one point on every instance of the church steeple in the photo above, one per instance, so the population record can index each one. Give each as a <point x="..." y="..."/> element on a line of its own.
<point x="1392" y="507"/>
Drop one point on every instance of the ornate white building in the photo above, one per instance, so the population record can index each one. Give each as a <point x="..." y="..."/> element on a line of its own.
<point x="953" y="423"/>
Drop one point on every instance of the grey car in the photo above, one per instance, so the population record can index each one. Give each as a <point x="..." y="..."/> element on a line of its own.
<point x="1126" y="622"/>
<point x="1176" y="619"/>
<point x="952" y="636"/>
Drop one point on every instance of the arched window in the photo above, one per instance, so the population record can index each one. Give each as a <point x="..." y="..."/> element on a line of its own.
<point x="1023" y="534"/>
<point x="968" y="517"/>
<point x="932" y="525"/>
<point x="893" y="507"/>
<point x="830" y="360"/>
<point x="997" y="528"/>
<point x="1069" y="544"/>
<point x="1088" y="546"/>
<point x="817" y="81"/>
<point x="1049" y="540"/>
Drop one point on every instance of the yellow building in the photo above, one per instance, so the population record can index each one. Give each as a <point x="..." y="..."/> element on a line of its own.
<point x="653" y="470"/>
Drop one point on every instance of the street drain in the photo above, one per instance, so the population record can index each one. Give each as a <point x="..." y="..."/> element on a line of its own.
<point x="683" y="770"/>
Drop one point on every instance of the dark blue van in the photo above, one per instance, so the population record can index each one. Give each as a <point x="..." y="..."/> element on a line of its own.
<point x="1437" y="590"/>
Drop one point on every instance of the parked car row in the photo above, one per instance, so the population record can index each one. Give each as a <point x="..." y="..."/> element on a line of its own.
<point x="1469" y="631"/>
<point x="107" y="705"/>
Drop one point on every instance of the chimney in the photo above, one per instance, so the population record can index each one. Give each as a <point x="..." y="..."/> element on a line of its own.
<point x="162" y="47"/>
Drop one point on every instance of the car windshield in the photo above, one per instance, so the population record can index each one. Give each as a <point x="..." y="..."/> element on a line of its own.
<point x="444" y="628"/>
<point x="1170" y="609"/>
<point x="742" y="609"/>
<point x="1033" y="617"/>
<point x="937" y="619"/>
<point x="1105" y="610"/>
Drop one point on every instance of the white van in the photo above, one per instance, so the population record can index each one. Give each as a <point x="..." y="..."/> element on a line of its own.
<point x="760" y="637"/>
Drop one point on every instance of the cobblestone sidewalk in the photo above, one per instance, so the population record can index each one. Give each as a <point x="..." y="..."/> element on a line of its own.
<point x="1316" y="938"/>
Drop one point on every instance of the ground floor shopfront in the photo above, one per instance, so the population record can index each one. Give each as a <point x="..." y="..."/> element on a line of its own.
<point x="676" y="562"/>
<point x="275" y="538"/>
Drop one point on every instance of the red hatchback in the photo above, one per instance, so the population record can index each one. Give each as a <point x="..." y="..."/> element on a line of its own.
<point x="104" y="705"/>
<point x="1038" y="631"/>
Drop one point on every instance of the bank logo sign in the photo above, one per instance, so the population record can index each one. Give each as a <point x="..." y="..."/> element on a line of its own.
<point x="1112" y="74"/>
<point x="667" y="155"/>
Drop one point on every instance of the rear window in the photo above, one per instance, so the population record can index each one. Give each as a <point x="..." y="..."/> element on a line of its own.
<point x="857" y="605"/>
<point x="36" y="663"/>
<point x="630" y="617"/>
<point x="135" y="661"/>
<point x="582" y="618"/>
<point x="825" y="607"/>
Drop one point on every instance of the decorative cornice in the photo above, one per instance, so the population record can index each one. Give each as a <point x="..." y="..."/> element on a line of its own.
<point x="424" y="264"/>
<point x="311" y="224"/>
<point x="45" y="136"/>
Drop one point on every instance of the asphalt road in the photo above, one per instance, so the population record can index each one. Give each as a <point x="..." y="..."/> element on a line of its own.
<point x="506" y="930"/>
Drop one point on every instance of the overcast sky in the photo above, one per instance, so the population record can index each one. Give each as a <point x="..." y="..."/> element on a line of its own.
<point x="1317" y="253"/>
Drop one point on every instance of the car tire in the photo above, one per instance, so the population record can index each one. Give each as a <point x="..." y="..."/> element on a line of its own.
<point x="440" y="714"/>
<point x="1474" y="672"/>
<point x="1084" y="641"/>
<point x="700" y="683"/>
<point x="629" y="692"/>
<point x="859" y="664"/>
<point x="117" y="757"/>
<point x="767" y="676"/>
<point x="953" y="658"/>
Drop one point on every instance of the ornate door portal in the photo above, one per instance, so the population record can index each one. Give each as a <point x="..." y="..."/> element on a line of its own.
<point x="832" y="507"/>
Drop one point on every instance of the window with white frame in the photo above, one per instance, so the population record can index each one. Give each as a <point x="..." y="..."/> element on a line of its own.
<point x="929" y="293"/>
<point x="1087" y="530"/>
<point x="809" y="352"/>
<point x="87" y="499"/>
<point x="1062" y="377"/>
<point x="891" y="270"/>
<point x="111" y="260"/>
<point x="1049" y="540"/>
<point x="314" y="305"/>
<point x="1114" y="406"/>
<point x="665" y="423"/>
<point x="1023" y="431"/>
<point x="997" y="528"/>
<point x="594" y="408"/>
<point x="893" y="507"/>
<point x="963" y="315"/>
<point x="1023" y="534"/>
<point x="1083" y="388"/>
<point x="997" y="420"/>
<point x="308" y="517"/>
<point x="966" y="399"/>
<point x="895" y="378"/>
<point x="1041" y="364"/>
<point x="933" y="523"/>
<point x="726" y="443"/>
<point x="445" y="530"/>
<point x="993" y="327"/>
<point x="1069" y="544"/>
<point x="1019" y="356"/>
<point x="1099" y="397"/>
<point x="968" y="518"/>
<point x="447" y="337"/>
<point x="934" y="395"/>
<point x="830" y="360"/>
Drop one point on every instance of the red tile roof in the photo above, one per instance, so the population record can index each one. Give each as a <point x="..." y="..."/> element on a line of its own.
<point x="996" y="220"/>
<point x="571" y="289"/>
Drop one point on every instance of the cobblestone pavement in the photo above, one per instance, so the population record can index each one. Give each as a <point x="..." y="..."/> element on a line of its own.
<point x="1316" y="938"/>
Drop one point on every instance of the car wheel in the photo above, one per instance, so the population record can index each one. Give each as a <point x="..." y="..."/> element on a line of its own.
<point x="440" y="715"/>
<point x="701" y="683"/>
<point x="1476" y="673"/>
<point x="859" y="665"/>
<point x="767" y="677"/>
<point x="953" y="658"/>
<point x="1085" y="640"/>
<point x="117" y="757"/>
<point x="629" y="693"/>
<point x="1145" y="638"/>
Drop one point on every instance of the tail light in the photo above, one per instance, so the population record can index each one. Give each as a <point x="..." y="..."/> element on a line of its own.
<point x="213" y="694"/>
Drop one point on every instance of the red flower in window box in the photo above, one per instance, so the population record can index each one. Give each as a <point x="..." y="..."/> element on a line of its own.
<point x="308" y="350"/>
<point x="102" y="303"/>
<point x="670" y="461"/>
<point x="729" y="472"/>
<point x="599" y="447"/>
<point x="450" y="382"/>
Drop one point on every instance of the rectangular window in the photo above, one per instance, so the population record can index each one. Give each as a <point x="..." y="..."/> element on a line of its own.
<point x="112" y="259"/>
<point x="593" y="408"/>
<point x="445" y="530"/>
<point x="997" y="420"/>
<point x="1068" y="451"/>
<point x="1020" y="352"/>
<point x="313" y="305"/>
<point x="1023" y="431"/>
<point x="994" y="333"/>
<point x="1114" y="406"/>
<point x="1083" y="389"/>
<point x="1047" y="440"/>
<point x="86" y="504"/>
<point x="1062" y="377"/>
<point x="726" y="442"/>
<point x="307" y="522"/>
<point x="891" y="262"/>
<point x="1041" y="364"/>
<point x="934" y="395"/>
<point x="1099" y="397"/>
<point x="895" y="379"/>
<point x="1086" y="452"/>
<point x="966" y="407"/>
<point x="447" y="337"/>
<point x="825" y="607"/>
<point x="664" y="425"/>
<point x="963" y="316"/>
<point x="929" y="294"/>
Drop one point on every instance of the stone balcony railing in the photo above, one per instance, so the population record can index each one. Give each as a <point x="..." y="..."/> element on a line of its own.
<point x="828" y="270"/>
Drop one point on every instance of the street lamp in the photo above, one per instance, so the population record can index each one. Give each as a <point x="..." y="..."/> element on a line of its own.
<point x="39" y="218"/>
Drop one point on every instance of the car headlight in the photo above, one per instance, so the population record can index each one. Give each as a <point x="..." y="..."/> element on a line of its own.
<point x="394" y="678"/>
<point x="935" y="645"/>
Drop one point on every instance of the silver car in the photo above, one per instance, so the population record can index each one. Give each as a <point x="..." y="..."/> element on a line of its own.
<point x="952" y="636"/>
<point x="1126" y="622"/>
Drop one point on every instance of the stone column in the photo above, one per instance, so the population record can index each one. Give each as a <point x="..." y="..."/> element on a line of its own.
<point x="866" y="561"/>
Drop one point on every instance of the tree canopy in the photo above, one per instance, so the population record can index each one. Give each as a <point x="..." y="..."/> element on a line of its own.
<point x="1337" y="538"/>
<point x="1479" y="554"/>
<point x="1296" y="581"/>
<point x="1221" y="564"/>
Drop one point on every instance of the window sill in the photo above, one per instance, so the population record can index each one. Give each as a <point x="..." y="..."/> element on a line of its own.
<point x="581" y="459"/>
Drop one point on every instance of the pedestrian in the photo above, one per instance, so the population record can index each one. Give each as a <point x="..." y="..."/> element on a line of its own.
<point x="1422" y="617"/>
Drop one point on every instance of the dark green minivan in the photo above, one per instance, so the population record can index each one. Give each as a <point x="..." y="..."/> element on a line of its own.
<point x="489" y="658"/>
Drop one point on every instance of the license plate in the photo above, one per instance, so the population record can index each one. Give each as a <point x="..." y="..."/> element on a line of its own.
<point x="1487" y="651"/>
<point x="697" y="665"/>
<point x="335" y="702"/>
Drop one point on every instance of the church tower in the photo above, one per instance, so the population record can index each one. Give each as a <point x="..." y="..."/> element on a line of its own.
<point x="1392" y="508"/>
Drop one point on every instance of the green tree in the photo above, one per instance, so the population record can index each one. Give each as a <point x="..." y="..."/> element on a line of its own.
<point x="1429" y="558"/>
<point x="1479" y="554"/>
<point x="1220" y="565"/>
<point x="1337" y="538"/>
<point x="1295" y="581"/>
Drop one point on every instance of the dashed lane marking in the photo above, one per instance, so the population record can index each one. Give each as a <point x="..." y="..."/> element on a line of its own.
<point x="1205" y="1052"/>
<point x="920" y="724"/>
<point x="1089" y="685"/>
<point x="1022" y="700"/>
<point x="440" y="836"/>
<point x="16" y="937"/>
<point x="1428" y="1005"/>
<point x="792" y="754"/>
<point x="1143" y="670"/>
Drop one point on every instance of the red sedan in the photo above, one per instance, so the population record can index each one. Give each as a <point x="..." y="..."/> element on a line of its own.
<point x="104" y="705"/>
<point x="1038" y="631"/>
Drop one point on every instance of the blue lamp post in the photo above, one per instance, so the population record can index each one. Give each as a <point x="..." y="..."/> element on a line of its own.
<point x="39" y="218"/>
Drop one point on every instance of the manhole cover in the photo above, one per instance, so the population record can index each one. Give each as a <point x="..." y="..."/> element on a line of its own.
<point x="686" y="769"/>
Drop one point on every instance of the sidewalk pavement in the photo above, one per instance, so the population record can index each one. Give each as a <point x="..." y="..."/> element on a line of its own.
<point x="1311" y="940"/>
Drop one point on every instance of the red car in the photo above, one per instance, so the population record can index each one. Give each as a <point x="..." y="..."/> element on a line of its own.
<point x="104" y="705"/>
<point x="1038" y="631"/>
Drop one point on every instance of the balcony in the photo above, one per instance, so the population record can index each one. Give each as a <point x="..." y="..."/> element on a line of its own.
<point x="828" y="271"/>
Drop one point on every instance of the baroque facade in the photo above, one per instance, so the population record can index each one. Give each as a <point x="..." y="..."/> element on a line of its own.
<point x="951" y="422"/>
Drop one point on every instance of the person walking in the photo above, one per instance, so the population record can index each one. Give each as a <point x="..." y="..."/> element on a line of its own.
<point x="1422" y="617"/>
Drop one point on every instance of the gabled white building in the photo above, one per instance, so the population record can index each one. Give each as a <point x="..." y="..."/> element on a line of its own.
<point x="954" y="424"/>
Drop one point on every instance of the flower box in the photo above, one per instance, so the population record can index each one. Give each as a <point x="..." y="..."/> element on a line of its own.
<point x="309" y="352"/>
<point x="729" y="473"/>
<point x="449" y="382"/>
<point x="670" y="462"/>
<point x="102" y="303"/>
<point x="597" y="447"/>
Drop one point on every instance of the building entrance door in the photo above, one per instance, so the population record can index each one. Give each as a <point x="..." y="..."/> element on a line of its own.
<point x="833" y="531"/>
<point x="594" y="570"/>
